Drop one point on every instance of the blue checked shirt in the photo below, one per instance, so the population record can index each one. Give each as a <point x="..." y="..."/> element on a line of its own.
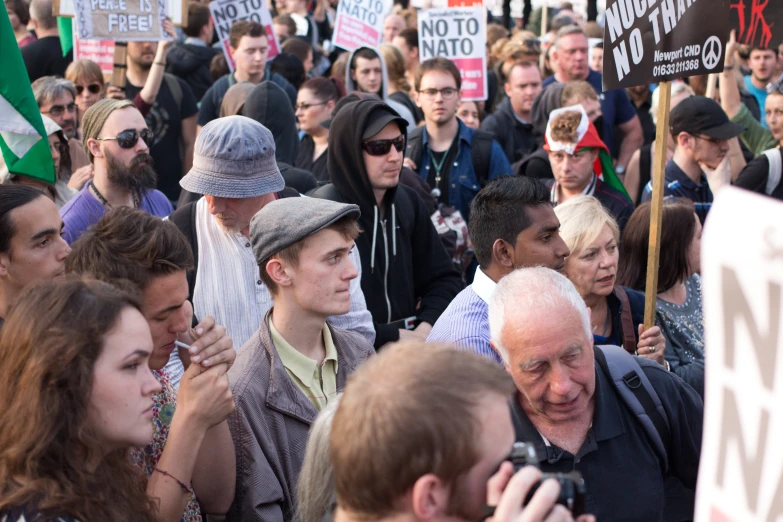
<point x="465" y="322"/>
<point x="679" y="185"/>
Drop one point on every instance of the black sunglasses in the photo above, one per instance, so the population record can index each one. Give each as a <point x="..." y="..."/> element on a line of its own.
<point x="94" y="88"/>
<point x="127" y="139"/>
<point x="382" y="147"/>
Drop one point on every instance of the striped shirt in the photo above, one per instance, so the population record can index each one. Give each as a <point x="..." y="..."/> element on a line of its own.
<point x="465" y="322"/>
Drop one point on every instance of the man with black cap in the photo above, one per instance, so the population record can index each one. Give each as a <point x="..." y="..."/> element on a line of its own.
<point x="701" y="133"/>
<point x="296" y="363"/>
<point x="407" y="277"/>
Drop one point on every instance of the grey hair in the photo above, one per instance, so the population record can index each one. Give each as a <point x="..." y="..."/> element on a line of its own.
<point x="567" y="31"/>
<point x="315" y="489"/>
<point x="47" y="88"/>
<point x="41" y="12"/>
<point x="528" y="289"/>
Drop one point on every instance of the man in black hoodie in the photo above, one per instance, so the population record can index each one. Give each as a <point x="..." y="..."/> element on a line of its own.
<point x="407" y="276"/>
<point x="268" y="105"/>
<point x="190" y="59"/>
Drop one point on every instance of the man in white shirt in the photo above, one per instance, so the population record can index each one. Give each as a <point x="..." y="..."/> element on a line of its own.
<point x="234" y="167"/>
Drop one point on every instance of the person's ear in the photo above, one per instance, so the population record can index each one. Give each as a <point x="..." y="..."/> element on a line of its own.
<point x="416" y="97"/>
<point x="5" y="263"/>
<point x="277" y="271"/>
<point x="503" y="254"/>
<point x="429" y="497"/>
<point x="330" y="106"/>
<point x="507" y="88"/>
<point x="94" y="147"/>
<point x="353" y="74"/>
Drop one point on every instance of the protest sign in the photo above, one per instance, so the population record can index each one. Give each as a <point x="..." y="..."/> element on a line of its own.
<point x="226" y="12"/>
<point x="460" y="35"/>
<point x="99" y="51"/>
<point x="741" y="469"/>
<point x="177" y="10"/>
<point x="650" y="41"/>
<point x="758" y="22"/>
<point x="360" y="23"/>
<point x="126" y="20"/>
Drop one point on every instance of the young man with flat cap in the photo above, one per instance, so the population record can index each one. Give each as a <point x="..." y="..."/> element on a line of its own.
<point x="296" y="363"/>
<point x="408" y="278"/>
<point x="701" y="133"/>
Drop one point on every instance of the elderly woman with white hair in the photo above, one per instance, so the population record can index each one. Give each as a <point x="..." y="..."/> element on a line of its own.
<point x="616" y="313"/>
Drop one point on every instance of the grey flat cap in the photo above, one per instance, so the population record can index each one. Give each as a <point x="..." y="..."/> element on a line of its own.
<point x="283" y="222"/>
<point x="234" y="157"/>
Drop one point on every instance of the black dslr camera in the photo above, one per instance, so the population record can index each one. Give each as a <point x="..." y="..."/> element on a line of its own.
<point x="572" y="485"/>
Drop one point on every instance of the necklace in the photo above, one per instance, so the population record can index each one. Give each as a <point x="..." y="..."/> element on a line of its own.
<point x="97" y="193"/>
<point x="438" y="166"/>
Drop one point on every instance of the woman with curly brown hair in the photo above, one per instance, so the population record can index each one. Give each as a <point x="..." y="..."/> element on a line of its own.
<point x="77" y="393"/>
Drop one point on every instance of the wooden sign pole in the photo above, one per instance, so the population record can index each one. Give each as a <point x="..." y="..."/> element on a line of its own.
<point x="120" y="67"/>
<point x="656" y="212"/>
<point x="544" y="23"/>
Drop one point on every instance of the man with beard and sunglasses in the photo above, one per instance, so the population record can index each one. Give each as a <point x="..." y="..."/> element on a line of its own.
<point x="407" y="277"/>
<point x="116" y="139"/>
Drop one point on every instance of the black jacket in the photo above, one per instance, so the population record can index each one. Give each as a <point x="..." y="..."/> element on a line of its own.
<point x="191" y="63"/>
<point x="408" y="272"/>
<point x="267" y="104"/>
<point x="517" y="139"/>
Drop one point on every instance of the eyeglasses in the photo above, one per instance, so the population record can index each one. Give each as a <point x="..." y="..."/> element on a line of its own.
<point x="127" y="139"/>
<point x="60" y="147"/>
<point x="59" y="110"/>
<point x="714" y="141"/>
<point x="382" y="147"/>
<point x="448" y="93"/>
<point x="94" y="88"/>
<point x="305" y="106"/>
<point x="534" y="46"/>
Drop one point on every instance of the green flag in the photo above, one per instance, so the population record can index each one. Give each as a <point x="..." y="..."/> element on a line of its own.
<point x="65" y="26"/>
<point x="23" y="140"/>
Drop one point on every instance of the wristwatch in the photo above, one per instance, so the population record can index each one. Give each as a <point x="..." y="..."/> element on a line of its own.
<point x="619" y="170"/>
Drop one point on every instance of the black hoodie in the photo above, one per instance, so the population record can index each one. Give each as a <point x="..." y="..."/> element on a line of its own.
<point x="191" y="63"/>
<point x="268" y="104"/>
<point x="404" y="262"/>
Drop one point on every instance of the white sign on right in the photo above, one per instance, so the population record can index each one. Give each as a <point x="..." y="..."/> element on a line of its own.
<point x="741" y="469"/>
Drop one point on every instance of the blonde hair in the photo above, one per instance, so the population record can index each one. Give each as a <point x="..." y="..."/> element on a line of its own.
<point x="577" y="91"/>
<point x="395" y="67"/>
<point x="582" y="218"/>
<point x="315" y="490"/>
<point x="84" y="70"/>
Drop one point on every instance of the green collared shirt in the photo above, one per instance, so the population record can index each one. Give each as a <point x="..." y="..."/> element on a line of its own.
<point x="317" y="382"/>
<point x="756" y="138"/>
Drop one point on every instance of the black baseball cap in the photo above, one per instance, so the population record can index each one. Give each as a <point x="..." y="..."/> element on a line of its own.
<point x="700" y="115"/>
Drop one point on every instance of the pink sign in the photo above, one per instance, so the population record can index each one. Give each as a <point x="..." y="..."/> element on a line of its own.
<point x="460" y="35"/>
<point x="474" y="78"/>
<point x="360" y="23"/>
<point x="226" y="12"/>
<point x="99" y="51"/>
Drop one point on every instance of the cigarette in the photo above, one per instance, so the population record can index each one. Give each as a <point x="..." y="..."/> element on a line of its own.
<point x="182" y="345"/>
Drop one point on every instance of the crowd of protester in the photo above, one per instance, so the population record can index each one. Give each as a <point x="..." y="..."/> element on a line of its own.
<point x="325" y="287"/>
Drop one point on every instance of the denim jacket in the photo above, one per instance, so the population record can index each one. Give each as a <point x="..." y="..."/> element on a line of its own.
<point x="463" y="182"/>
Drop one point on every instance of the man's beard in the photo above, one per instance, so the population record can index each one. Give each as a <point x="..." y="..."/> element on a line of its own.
<point x="137" y="178"/>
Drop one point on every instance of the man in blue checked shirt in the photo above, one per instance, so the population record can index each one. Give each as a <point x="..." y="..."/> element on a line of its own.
<point x="701" y="132"/>
<point x="512" y="226"/>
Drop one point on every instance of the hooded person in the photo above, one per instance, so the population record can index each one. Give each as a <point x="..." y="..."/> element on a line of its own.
<point x="536" y="164"/>
<point x="267" y="105"/>
<point x="581" y="163"/>
<point x="235" y="98"/>
<point x="403" y="291"/>
<point x="60" y="192"/>
<point x="353" y="81"/>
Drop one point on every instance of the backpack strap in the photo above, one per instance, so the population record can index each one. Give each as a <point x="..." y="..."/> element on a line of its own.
<point x="481" y="155"/>
<point x="775" y="167"/>
<point x="414" y="148"/>
<point x="175" y="88"/>
<point x="626" y="320"/>
<point x="638" y="394"/>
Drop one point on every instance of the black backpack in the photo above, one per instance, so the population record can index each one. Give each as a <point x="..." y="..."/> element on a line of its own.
<point x="481" y="152"/>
